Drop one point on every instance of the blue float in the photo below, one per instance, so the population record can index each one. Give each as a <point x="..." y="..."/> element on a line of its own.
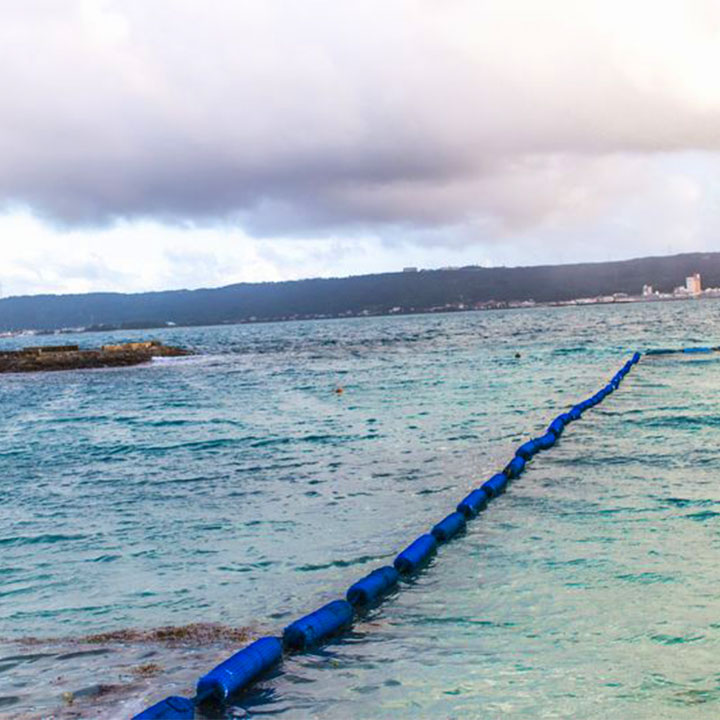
<point x="171" y="708"/>
<point x="496" y="485"/>
<point x="473" y="503"/>
<point x="546" y="441"/>
<point x="238" y="671"/>
<point x="514" y="468"/>
<point x="449" y="527"/>
<point x="527" y="450"/>
<point x="575" y="413"/>
<point x="310" y="630"/>
<point x="556" y="427"/>
<point x="635" y="358"/>
<point x="372" y="587"/>
<point x="697" y="350"/>
<point x="415" y="555"/>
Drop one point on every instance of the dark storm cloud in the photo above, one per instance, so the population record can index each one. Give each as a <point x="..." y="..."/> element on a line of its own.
<point x="319" y="117"/>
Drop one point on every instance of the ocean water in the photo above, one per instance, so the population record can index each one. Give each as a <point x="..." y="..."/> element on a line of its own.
<point x="235" y="488"/>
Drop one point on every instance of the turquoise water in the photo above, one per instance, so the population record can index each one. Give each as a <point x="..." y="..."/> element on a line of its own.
<point x="235" y="487"/>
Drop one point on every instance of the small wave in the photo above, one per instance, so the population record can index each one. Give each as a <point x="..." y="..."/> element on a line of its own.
<point x="702" y="516"/>
<point x="35" y="539"/>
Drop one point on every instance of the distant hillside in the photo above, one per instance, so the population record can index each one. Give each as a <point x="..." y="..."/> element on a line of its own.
<point x="373" y="294"/>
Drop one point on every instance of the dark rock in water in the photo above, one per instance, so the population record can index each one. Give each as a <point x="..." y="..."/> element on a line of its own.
<point x="71" y="357"/>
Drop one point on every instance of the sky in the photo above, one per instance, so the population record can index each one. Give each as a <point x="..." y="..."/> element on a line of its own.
<point x="177" y="143"/>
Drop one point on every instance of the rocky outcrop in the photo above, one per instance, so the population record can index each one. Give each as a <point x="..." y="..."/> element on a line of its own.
<point x="71" y="357"/>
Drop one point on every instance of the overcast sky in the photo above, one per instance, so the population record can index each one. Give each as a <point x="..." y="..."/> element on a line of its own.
<point x="156" y="144"/>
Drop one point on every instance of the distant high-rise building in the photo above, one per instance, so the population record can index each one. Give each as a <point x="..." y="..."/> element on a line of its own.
<point x="693" y="284"/>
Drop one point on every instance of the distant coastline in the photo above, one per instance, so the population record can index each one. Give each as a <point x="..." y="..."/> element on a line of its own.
<point x="409" y="292"/>
<point x="579" y="302"/>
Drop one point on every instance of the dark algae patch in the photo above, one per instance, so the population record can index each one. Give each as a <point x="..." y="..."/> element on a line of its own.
<point x="192" y="634"/>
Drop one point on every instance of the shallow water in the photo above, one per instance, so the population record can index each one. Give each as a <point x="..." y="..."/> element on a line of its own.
<point x="237" y="488"/>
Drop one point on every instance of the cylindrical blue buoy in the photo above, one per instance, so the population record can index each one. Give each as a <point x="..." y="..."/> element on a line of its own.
<point x="575" y="413"/>
<point x="546" y="441"/>
<point x="373" y="586"/>
<point x="636" y="358"/>
<point x="527" y="450"/>
<point x="473" y="503"/>
<point x="449" y="527"/>
<point x="556" y="427"/>
<point x="417" y="554"/>
<point x="495" y="485"/>
<point x="514" y="468"/>
<point x="239" y="670"/>
<point x="310" y="630"/>
<point x="171" y="708"/>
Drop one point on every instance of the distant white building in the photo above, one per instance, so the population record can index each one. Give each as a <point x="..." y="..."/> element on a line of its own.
<point x="693" y="284"/>
<point x="410" y="269"/>
<point x="647" y="290"/>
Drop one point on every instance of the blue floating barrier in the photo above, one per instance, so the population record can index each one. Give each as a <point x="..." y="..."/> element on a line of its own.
<point x="635" y="358"/>
<point x="415" y="555"/>
<point x="556" y="427"/>
<point x="514" y="468"/>
<point x="312" y="629"/>
<point x="662" y="351"/>
<point x="575" y="413"/>
<point x="496" y="485"/>
<point x="546" y="441"/>
<point x="373" y="586"/>
<point x="473" y="503"/>
<point x="527" y="450"/>
<point x="171" y="708"/>
<point x="697" y="350"/>
<point x="240" y="670"/>
<point x="449" y="527"/>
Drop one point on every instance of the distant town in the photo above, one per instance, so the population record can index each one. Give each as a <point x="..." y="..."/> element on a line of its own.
<point x="691" y="290"/>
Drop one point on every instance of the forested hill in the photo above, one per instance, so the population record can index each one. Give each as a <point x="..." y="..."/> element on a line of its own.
<point x="373" y="294"/>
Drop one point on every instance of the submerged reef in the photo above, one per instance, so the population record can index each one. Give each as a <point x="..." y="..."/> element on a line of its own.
<point x="71" y="357"/>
